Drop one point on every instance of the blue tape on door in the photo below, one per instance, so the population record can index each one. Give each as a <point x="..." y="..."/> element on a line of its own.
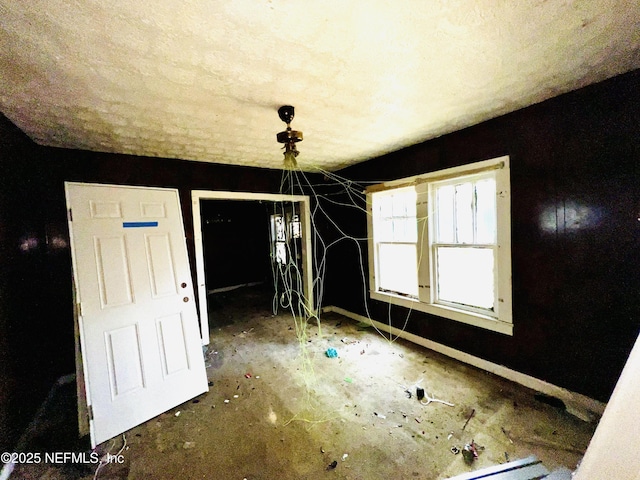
<point x="139" y="224"/>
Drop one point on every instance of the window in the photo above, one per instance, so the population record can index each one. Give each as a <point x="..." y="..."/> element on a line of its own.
<point x="279" y="239"/>
<point x="440" y="243"/>
<point x="396" y="241"/>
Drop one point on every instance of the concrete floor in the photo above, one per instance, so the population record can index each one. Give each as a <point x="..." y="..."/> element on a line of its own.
<point x="279" y="408"/>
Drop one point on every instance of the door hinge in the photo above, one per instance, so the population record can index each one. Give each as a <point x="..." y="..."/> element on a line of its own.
<point x="90" y="412"/>
<point x="70" y="215"/>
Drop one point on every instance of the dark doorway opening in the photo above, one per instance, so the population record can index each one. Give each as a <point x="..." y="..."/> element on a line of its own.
<point x="252" y="257"/>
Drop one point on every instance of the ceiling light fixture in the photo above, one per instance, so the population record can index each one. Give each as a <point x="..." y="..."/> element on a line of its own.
<point x="289" y="137"/>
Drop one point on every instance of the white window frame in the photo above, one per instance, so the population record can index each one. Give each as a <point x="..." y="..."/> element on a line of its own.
<point x="392" y="238"/>
<point x="501" y="319"/>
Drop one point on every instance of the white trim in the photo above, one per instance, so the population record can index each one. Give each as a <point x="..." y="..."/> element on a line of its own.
<point x="470" y="318"/>
<point x="581" y="406"/>
<point x="233" y="287"/>
<point x="305" y="219"/>
<point x="438" y="175"/>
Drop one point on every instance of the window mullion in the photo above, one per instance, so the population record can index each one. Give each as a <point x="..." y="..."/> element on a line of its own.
<point x="474" y="212"/>
<point x="496" y="281"/>
<point x="426" y="229"/>
<point x="455" y="216"/>
<point x="465" y="245"/>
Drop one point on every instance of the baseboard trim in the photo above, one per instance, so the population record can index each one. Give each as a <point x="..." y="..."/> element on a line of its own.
<point x="579" y="405"/>
<point x="233" y="287"/>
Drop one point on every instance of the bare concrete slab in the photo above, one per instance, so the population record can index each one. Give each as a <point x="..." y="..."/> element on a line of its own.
<point x="279" y="408"/>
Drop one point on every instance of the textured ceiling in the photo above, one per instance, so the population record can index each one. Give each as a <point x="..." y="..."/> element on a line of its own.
<point x="202" y="79"/>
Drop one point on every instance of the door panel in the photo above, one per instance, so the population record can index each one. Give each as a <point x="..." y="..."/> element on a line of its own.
<point x="161" y="268"/>
<point x="114" y="274"/>
<point x="124" y="360"/>
<point x="139" y="330"/>
<point x="175" y="357"/>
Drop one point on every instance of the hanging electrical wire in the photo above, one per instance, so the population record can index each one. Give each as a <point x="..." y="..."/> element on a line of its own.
<point x="334" y="191"/>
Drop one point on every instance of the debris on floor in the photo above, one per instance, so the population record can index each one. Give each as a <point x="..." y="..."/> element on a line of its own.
<point x="331" y="353"/>
<point x="435" y="400"/>
<point x="473" y="412"/>
<point x="469" y="452"/>
<point x="332" y="465"/>
<point x="506" y="435"/>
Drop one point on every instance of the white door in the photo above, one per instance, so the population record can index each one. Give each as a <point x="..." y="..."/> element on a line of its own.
<point x="139" y="334"/>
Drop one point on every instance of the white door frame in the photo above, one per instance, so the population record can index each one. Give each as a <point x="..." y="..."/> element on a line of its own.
<point x="305" y="218"/>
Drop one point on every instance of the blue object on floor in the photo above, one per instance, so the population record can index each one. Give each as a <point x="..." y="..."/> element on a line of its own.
<point x="331" y="353"/>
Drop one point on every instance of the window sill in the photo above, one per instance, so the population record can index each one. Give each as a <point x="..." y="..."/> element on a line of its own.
<point x="475" y="319"/>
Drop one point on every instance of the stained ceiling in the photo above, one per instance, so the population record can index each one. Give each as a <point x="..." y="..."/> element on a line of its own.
<point x="202" y="80"/>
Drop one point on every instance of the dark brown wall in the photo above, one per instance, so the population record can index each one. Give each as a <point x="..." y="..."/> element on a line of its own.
<point x="575" y="184"/>
<point x="13" y="145"/>
<point x="36" y="316"/>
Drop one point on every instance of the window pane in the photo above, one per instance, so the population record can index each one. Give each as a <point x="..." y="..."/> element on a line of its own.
<point x="397" y="268"/>
<point x="399" y="227"/>
<point x="464" y="213"/>
<point x="296" y="227"/>
<point x="281" y="253"/>
<point x="486" y="211"/>
<point x="405" y="230"/>
<point x="385" y="203"/>
<point x="444" y="214"/>
<point x="280" y="228"/>
<point x="399" y="208"/>
<point x="410" y="221"/>
<point x="410" y="203"/>
<point x="395" y="216"/>
<point x="465" y="276"/>
<point x="383" y="230"/>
